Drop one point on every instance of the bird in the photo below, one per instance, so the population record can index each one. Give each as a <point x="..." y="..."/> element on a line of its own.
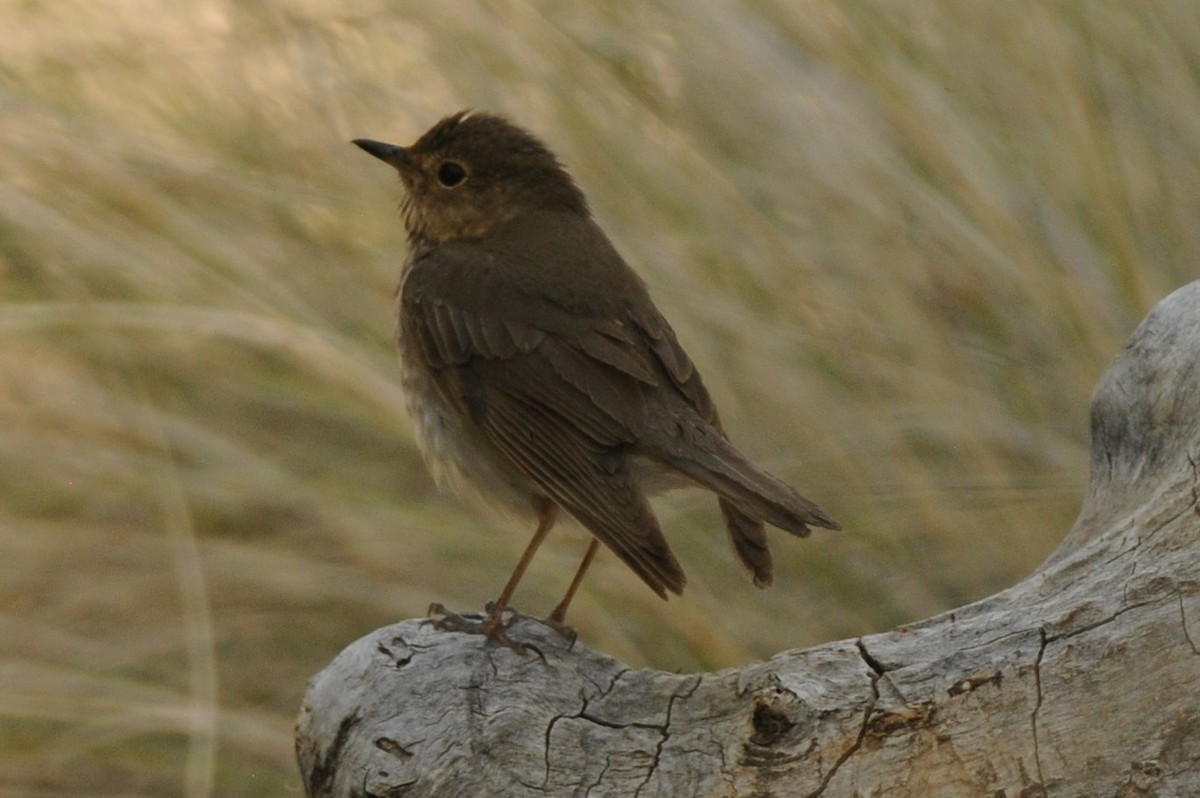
<point x="540" y="375"/>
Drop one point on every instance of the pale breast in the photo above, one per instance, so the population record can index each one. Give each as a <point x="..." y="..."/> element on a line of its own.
<point x="458" y="455"/>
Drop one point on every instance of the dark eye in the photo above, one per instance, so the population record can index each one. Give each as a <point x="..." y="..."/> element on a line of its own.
<point x="450" y="174"/>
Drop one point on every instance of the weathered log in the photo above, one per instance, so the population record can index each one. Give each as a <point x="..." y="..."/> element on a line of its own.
<point x="1082" y="680"/>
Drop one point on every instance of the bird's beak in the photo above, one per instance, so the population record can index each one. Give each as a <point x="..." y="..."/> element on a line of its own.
<point x="398" y="157"/>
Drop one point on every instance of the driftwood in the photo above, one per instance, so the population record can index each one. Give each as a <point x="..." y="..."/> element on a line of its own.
<point x="1082" y="680"/>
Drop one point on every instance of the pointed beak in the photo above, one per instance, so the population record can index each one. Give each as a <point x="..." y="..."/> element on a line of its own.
<point x="388" y="153"/>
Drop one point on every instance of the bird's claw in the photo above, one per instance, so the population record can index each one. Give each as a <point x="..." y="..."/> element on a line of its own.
<point x="494" y="626"/>
<point x="569" y="633"/>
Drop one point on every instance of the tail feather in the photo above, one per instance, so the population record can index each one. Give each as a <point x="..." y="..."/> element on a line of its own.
<point x="715" y="464"/>
<point x="748" y="496"/>
<point x="749" y="539"/>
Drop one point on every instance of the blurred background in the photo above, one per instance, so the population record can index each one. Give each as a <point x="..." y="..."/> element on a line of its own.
<point x="901" y="241"/>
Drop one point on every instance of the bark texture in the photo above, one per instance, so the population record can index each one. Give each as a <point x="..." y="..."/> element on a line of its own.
<point x="1082" y="680"/>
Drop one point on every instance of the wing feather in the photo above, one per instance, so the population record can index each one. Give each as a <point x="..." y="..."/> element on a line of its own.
<point x="605" y="500"/>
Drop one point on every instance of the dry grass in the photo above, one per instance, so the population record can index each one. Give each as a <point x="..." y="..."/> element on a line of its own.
<point x="901" y="240"/>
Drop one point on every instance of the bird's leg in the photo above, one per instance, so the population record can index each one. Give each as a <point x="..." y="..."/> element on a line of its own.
<point x="547" y="513"/>
<point x="493" y="625"/>
<point x="558" y="616"/>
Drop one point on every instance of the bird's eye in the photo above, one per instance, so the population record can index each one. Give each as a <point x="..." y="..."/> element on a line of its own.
<point x="451" y="173"/>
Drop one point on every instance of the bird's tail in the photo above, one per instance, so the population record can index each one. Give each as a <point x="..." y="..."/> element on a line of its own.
<point x="748" y="496"/>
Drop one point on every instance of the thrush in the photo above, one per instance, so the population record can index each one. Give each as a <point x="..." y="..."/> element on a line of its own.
<point x="539" y="373"/>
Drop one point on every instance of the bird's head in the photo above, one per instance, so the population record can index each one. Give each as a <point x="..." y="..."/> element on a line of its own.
<point x="473" y="171"/>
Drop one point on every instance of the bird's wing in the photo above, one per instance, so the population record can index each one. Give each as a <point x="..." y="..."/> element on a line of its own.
<point x="561" y="394"/>
<point x="747" y="534"/>
<point x="669" y="354"/>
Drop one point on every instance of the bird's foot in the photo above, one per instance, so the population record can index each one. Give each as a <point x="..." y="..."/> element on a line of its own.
<point x="555" y="621"/>
<point x="494" y="626"/>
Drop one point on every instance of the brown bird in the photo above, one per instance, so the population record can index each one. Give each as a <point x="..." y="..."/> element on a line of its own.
<point x="538" y="371"/>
